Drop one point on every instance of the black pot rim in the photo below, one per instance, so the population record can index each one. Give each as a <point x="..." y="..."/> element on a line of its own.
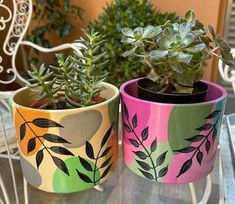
<point x="173" y="94"/>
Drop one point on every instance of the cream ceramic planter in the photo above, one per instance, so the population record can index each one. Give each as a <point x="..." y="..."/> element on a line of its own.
<point x="69" y="150"/>
<point x="171" y="143"/>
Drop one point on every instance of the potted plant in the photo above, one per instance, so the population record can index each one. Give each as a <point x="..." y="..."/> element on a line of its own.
<point x="111" y="20"/>
<point x="66" y="121"/>
<point x="171" y="119"/>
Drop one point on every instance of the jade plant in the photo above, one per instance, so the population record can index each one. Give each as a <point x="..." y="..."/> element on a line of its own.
<point x="75" y="81"/>
<point x="117" y="15"/>
<point x="175" y="52"/>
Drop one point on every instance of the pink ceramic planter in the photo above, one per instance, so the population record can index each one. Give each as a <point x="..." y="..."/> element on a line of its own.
<point x="171" y="143"/>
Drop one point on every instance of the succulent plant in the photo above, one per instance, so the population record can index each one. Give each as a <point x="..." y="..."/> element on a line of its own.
<point x="117" y="15"/>
<point x="74" y="82"/>
<point x="176" y="52"/>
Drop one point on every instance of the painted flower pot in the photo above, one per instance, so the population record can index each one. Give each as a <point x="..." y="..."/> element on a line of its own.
<point x="68" y="150"/>
<point x="171" y="143"/>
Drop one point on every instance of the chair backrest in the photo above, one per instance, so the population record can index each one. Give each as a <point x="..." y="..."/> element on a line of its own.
<point x="18" y="16"/>
<point x="227" y="73"/>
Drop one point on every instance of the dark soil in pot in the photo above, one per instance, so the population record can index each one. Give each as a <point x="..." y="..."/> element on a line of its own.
<point x="147" y="91"/>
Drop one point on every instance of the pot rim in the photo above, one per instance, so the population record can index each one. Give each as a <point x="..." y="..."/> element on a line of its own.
<point x="124" y="93"/>
<point x="107" y="85"/>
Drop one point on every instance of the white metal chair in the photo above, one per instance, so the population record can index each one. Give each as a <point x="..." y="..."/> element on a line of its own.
<point x="17" y="21"/>
<point x="226" y="72"/>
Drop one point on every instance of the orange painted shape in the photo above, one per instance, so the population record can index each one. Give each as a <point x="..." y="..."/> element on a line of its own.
<point x="25" y="116"/>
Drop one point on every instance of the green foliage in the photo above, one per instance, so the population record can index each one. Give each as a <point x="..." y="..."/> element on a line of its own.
<point x="75" y="81"/>
<point x="51" y="16"/>
<point x="120" y="14"/>
<point x="176" y="52"/>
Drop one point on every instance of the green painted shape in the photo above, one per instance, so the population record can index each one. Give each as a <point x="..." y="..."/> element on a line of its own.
<point x="161" y="148"/>
<point x="182" y="124"/>
<point x="63" y="183"/>
<point x="113" y="108"/>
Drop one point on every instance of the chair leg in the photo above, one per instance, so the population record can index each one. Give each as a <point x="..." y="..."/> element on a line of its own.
<point x="4" y="192"/>
<point x="9" y="158"/>
<point x="99" y="188"/>
<point x="26" y="195"/>
<point x="206" y="194"/>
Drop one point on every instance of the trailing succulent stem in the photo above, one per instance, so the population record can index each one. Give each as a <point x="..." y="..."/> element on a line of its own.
<point x="74" y="82"/>
<point x="176" y="52"/>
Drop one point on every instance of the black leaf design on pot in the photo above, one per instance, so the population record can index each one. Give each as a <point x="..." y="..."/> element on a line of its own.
<point x="127" y="128"/>
<point x="143" y="165"/>
<point x="46" y="123"/>
<point x="186" y="149"/>
<point x="84" y="177"/>
<point x="60" y="164"/>
<point x="134" y="121"/>
<point x="54" y="138"/>
<point x="95" y="157"/>
<point x="61" y="150"/>
<point x="199" y="157"/>
<point x="105" y="163"/>
<point x="106" y="136"/>
<point x="213" y="114"/>
<point x="89" y="150"/>
<point x="206" y="126"/>
<point x="22" y="131"/>
<point x="145" y="133"/>
<point x="163" y="171"/>
<point x="195" y="138"/>
<point x="134" y="142"/>
<point x="161" y="159"/>
<point x="186" y="166"/>
<point x="106" y="171"/>
<point x="150" y="165"/>
<point x="140" y="154"/>
<point x="39" y="158"/>
<point x="153" y="146"/>
<point x="207" y="146"/>
<point x="31" y="144"/>
<point x="105" y="152"/>
<point x="85" y="164"/>
<point x="201" y="139"/>
<point x="214" y="134"/>
<point x="146" y="174"/>
<point x="126" y="113"/>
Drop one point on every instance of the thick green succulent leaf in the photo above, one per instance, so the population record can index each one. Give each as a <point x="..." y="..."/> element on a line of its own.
<point x="196" y="48"/>
<point x="184" y="57"/>
<point x="158" y="54"/>
<point x="164" y="42"/>
<point x="128" y="32"/>
<point x="188" y="39"/>
<point x="190" y="15"/>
